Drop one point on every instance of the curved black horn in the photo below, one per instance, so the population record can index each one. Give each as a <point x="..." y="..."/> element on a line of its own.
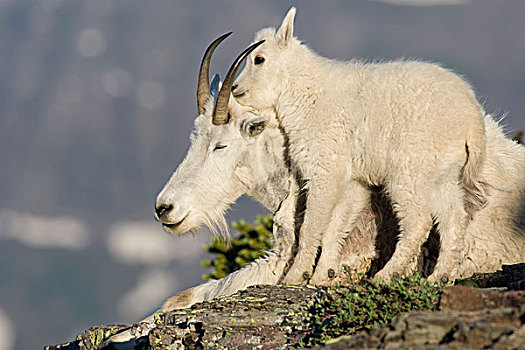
<point x="220" y="112"/>
<point x="203" y="87"/>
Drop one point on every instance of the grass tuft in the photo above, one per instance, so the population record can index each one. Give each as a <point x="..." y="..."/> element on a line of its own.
<point x="344" y="310"/>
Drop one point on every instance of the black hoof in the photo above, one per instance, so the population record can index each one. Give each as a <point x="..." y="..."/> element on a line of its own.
<point x="306" y="276"/>
<point x="331" y="273"/>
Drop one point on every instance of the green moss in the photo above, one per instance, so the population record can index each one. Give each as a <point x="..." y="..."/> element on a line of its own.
<point x="250" y="243"/>
<point x="344" y="310"/>
<point x="96" y="337"/>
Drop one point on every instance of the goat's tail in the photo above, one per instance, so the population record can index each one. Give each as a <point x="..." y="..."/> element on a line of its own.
<point x="475" y="148"/>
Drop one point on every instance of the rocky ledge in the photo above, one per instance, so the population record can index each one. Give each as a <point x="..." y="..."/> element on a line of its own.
<point x="489" y="315"/>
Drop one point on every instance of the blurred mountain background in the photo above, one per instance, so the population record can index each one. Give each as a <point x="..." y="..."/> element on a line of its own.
<point x="97" y="100"/>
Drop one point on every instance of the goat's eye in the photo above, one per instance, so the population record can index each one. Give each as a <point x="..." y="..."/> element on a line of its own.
<point x="258" y="60"/>
<point x="219" y="146"/>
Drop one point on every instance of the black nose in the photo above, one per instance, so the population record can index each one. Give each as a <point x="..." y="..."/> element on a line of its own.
<point x="234" y="86"/>
<point x="162" y="209"/>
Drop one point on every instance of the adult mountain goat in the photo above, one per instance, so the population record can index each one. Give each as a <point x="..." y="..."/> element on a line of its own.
<point x="413" y="127"/>
<point x="253" y="162"/>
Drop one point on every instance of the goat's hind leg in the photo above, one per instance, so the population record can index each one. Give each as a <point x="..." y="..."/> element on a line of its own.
<point x="415" y="223"/>
<point x="452" y="220"/>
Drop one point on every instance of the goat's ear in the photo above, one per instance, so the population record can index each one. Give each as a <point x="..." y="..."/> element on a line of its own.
<point x="253" y="126"/>
<point x="215" y="85"/>
<point x="285" y="32"/>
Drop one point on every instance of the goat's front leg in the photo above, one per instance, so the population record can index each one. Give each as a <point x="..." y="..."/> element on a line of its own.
<point x="267" y="270"/>
<point x="351" y="206"/>
<point x="322" y="196"/>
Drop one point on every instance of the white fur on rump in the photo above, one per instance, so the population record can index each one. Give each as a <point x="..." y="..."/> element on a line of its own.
<point x="496" y="234"/>
<point x="413" y="127"/>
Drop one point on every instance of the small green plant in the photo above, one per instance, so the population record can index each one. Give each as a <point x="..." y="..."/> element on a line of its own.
<point x="467" y="283"/>
<point x="344" y="310"/>
<point x="250" y="243"/>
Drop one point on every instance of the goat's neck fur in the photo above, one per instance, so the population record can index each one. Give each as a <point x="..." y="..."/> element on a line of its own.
<point x="271" y="176"/>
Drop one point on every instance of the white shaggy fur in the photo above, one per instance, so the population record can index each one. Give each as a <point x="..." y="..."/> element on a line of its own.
<point x="258" y="166"/>
<point x="494" y="236"/>
<point x="413" y="127"/>
<point x="496" y="233"/>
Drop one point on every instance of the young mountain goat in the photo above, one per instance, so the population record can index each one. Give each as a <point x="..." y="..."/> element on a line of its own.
<point x="253" y="162"/>
<point x="413" y="127"/>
